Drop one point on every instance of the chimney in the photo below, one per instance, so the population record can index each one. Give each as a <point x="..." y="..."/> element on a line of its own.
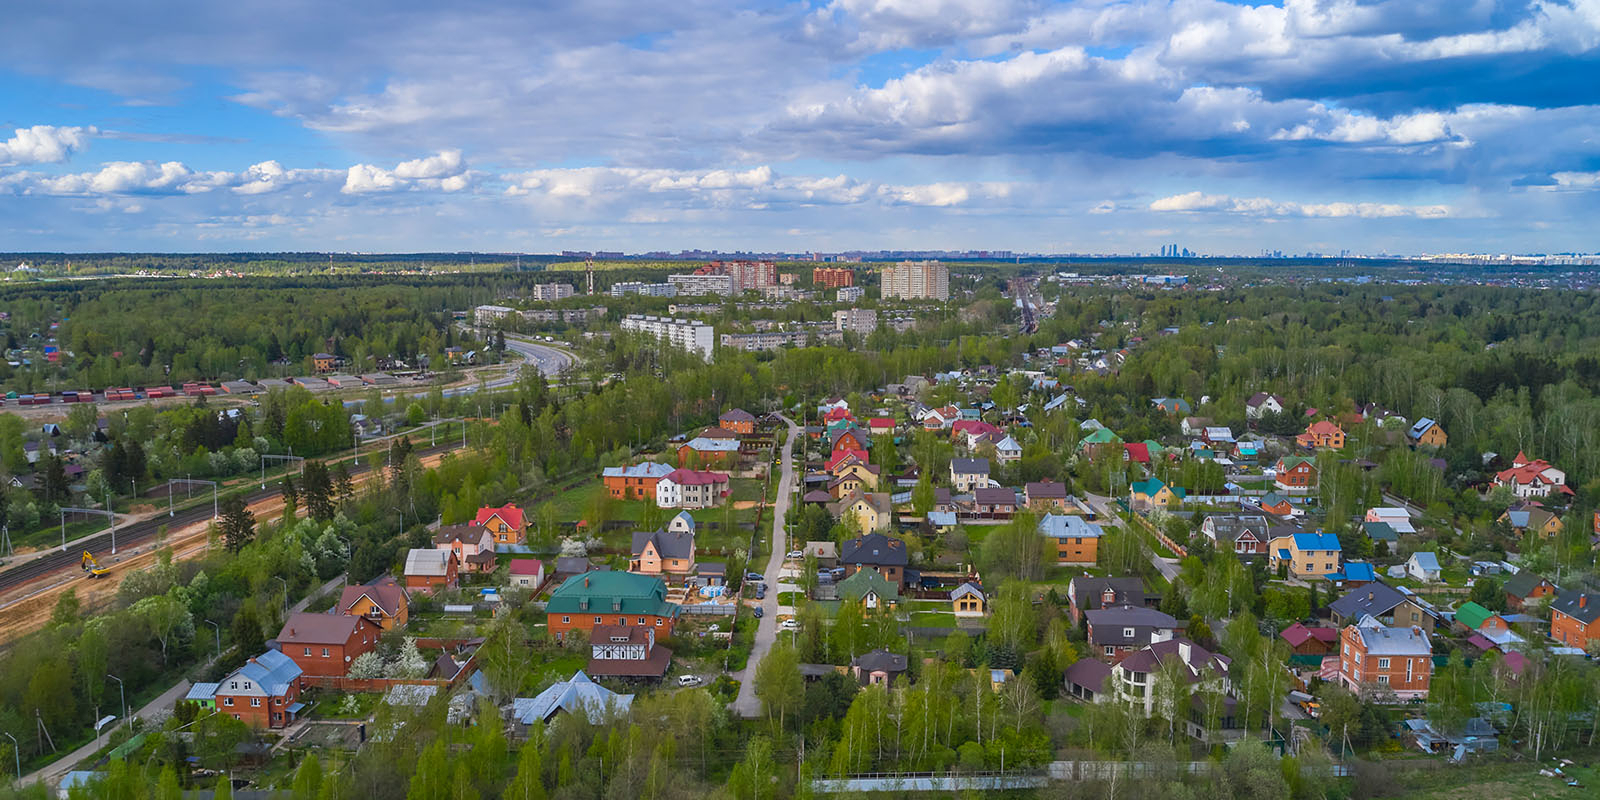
<point x="1583" y="600"/>
<point x="1369" y="594"/>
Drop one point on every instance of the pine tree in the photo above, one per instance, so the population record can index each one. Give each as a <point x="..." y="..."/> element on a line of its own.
<point x="317" y="490"/>
<point x="238" y="525"/>
<point x="529" y="781"/>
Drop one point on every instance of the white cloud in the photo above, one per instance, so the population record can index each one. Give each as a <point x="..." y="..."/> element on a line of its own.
<point x="1266" y="207"/>
<point x="363" y="178"/>
<point x="445" y="171"/>
<point x="443" y="165"/>
<point x="44" y="144"/>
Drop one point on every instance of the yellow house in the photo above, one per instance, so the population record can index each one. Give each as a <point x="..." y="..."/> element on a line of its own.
<point x="1533" y="520"/>
<point x="506" y="524"/>
<point x="872" y="509"/>
<point x="968" y="600"/>
<point x="862" y="473"/>
<point x="1309" y="555"/>
<point x="655" y="552"/>
<point x="383" y="603"/>
<point x="1153" y="493"/>
<point x="1427" y="433"/>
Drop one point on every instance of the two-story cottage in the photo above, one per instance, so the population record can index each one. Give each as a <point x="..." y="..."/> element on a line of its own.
<point x="1427" y="433"/>
<point x="1322" y="435"/>
<point x="967" y="474"/>
<point x="506" y="524"/>
<point x="1262" y="403"/>
<point x="1376" y="660"/>
<point x="1077" y="541"/>
<point x="873" y="511"/>
<point x="1152" y="493"/>
<point x="264" y="693"/>
<point x="1136" y="679"/>
<point x="627" y="651"/>
<point x="657" y="552"/>
<point x="383" y="602"/>
<point x="472" y="545"/>
<point x="325" y="644"/>
<point x="430" y="570"/>
<point x="877" y="552"/>
<point x="1575" y="619"/>
<point x="1086" y="593"/>
<point x="878" y="668"/>
<point x="1045" y="496"/>
<point x="1530" y="478"/>
<point x="1116" y="632"/>
<point x="1295" y="475"/>
<point x="1309" y="556"/>
<point x="690" y="488"/>
<point x="610" y="598"/>
<point x="868" y="589"/>
<point x="739" y="421"/>
<point x="1245" y="534"/>
<point x="635" y="482"/>
<point x="1532" y="519"/>
<point x="1383" y="602"/>
<point x="994" y="502"/>
<point x="703" y="452"/>
<point x="1524" y="588"/>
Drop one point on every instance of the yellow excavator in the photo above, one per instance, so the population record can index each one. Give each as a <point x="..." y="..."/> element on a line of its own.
<point x="91" y="566"/>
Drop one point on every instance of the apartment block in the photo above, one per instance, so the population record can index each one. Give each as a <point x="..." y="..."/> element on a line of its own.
<point x="696" y="337"/>
<point x="626" y="288"/>
<point x="552" y="291"/>
<point x="917" y="280"/>
<point x="856" y="320"/>
<point x="694" y="285"/>
<point x="833" y="277"/>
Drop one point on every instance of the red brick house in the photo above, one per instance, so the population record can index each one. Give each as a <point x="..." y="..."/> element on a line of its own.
<point x="1295" y="474"/>
<point x="429" y="571"/>
<point x="325" y="644"/>
<point x="1575" y="619"/>
<point x="1375" y="659"/>
<point x="264" y="693"/>
<point x="739" y="421"/>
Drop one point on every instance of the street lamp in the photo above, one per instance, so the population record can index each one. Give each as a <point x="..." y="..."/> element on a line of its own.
<point x="123" y="691"/>
<point x="218" y="629"/>
<point x="16" y="750"/>
<point x="285" y="594"/>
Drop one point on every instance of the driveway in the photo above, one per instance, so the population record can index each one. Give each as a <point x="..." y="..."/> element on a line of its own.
<point x="1107" y="510"/>
<point x="746" y="705"/>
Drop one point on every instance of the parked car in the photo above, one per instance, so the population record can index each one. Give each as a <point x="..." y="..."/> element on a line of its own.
<point x="796" y="555"/>
<point x="761" y="591"/>
<point x="690" y="680"/>
<point x="760" y="613"/>
<point x="789" y="625"/>
<point x="754" y="576"/>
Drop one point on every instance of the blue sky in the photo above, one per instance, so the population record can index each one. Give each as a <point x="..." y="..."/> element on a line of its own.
<point x="1377" y="126"/>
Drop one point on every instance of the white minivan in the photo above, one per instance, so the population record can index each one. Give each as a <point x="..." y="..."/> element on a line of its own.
<point x="689" y="680"/>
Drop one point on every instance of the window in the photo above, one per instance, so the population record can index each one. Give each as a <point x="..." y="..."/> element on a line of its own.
<point x="566" y="619"/>
<point x="1383" y="680"/>
<point x="597" y="620"/>
<point x="658" y="622"/>
<point x="307" y="651"/>
<point x="1110" y="650"/>
<point x="255" y="702"/>
<point x="228" y="701"/>
<point x="233" y="684"/>
<point x="247" y="686"/>
<point x="1383" y="663"/>
<point x="1127" y="633"/>
<point x="641" y="620"/>
<point x="324" y="652"/>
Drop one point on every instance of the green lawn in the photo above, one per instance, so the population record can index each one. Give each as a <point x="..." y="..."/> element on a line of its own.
<point x="933" y="619"/>
<point x="790" y="598"/>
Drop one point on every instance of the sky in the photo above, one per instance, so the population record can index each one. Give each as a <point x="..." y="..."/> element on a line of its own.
<point x="1096" y="126"/>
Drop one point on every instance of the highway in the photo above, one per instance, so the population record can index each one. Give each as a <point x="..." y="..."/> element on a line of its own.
<point x="548" y="360"/>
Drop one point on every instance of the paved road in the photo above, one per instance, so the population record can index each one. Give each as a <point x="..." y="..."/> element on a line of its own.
<point x="548" y="360"/>
<point x="159" y="707"/>
<point x="1107" y="509"/>
<point x="746" y="704"/>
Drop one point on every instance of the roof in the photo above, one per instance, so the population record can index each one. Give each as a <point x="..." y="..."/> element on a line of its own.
<point x="1101" y="436"/>
<point x="994" y="496"/>
<point x="880" y="660"/>
<point x="1197" y="659"/>
<point x="1375" y="599"/>
<point x="1472" y="615"/>
<point x="1066" y="526"/>
<point x="865" y="581"/>
<point x="1298" y="634"/>
<point x="1361" y="571"/>
<point x="668" y="544"/>
<point x="647" y="470"/>
<point x="875" y="549"/>
<point x="1421" y="427"/>
<point x="577" y="694"/>
<point x="1150" y="487"/>
<point x="202" y="691"/>
<point x="272" y="671"/>
<point x="704" y="445"/>
<point x="1086" y="591"/>
<point x="1138" y="453"/>
<point x="1383" y="640"/>
<point x="1316" y="541"/>
<point x="1261" y="397"/>
<point x="509" y="514"/>
<point x="428" y="562"/>
<point x="1045" y="490"/>
<point x="315" y="629"/>
<point x="969" y="466"/>
<point x="694" y="477"/>
<point x="1578" y="605"/>
<point x="1424" y="560"/>
<point x="1273" y="499"/>
<point x="1107" y="623"/>
<point x="1523" y="583"/>
<point x="388" y="597"/>
<point x="1290" y="462"/>
<point x="737" y="415"/>
<point x="1380" y="532"/>
<point x="612" y="592"/>
<point x="526" y="566"/>
<point x="965" y="589"/>
<point x="470" y="532"/>
<point x="1090" y="673"/>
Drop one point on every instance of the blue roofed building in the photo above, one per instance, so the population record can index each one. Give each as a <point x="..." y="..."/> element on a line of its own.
<point x="577" y="695"/>
<point x="1077" y="540"/>
<point x="1309" y="556"/>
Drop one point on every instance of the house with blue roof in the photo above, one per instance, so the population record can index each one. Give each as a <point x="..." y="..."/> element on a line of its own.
<point x="1423" y="566"/>
<point x="1077" y="540"/>
<point x="1309" y="556"/>
<point x="1354" y="573"/>
<point x="577" y="695"/>
<point x="264" y="693"/>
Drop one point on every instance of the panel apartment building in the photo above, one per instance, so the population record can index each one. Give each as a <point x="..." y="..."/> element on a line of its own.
<point x="696" y="337"/>
<point x="697" y="284"/>
<point x="552" y="291"/>
<point x="917" y="280"/>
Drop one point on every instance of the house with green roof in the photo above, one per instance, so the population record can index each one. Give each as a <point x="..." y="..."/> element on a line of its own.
<point x="870" y="589"/>
<point x="611" y="598"/>
<point x="1476" y="618"/>
<point x="1100" y="439"/>
<point x="1295" y="475"/>
<point x="1152" y="493"/>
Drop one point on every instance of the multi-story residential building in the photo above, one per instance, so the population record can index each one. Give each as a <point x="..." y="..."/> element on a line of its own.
<point x="264" y="693"/>
<point x="1530" y="478"/>
<point x="611" y="598"/>
<point x="849" y="294"/>
<point x="1375" y="659"/>
<point x="1136" y="677"/>
<point x="626" y="288"/>
<point x="856" y="320"/>
<point x="1116" y="632"/>
<point x="489" y="315"/>
<point x="694" y="285"/>
<point x="696" y="337"/>
<point x="777" y="340"/>
<point x="1310" y="556"/>
<point x="967" y="474"/>
<point x="570" y="316"/>
<point x="689" y="488"/>
<point x="1077" y="540"/>
<point x="748" y="275"/>
<point x="917" y="280"/>
<point x="1575" y="619"/>
<point x="552" y="291"/>
<point x="635" y="482"/>
<point x="1295" y="474"/>
<point x="833" y="277"/>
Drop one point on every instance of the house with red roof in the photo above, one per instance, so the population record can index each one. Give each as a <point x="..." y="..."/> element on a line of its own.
<point x="940" y="418"/>
<point x="881" y="426"/>
<point x="527" y="573"/>
<point x="506" y="524"/>
<point x="383" y="602"/>
<point x="971" y="430"/>
<point x="1322" y="435"/>
<point x="1532" y="478"/>
<point x="837" y="413"/>
<point x="691" y="488"/>
<point x="1138" y="452"/>
<point x="1311" y="641"/>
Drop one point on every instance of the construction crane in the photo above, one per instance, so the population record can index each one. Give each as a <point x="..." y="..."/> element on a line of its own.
<point x="91" y="566"/>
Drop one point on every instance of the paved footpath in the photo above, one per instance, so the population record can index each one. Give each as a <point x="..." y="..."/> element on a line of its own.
<point x="747" y="705"/>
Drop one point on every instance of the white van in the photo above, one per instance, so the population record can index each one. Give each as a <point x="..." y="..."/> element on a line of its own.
<point x="689" y="680"/>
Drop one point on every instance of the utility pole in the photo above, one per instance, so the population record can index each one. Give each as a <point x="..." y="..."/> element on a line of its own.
<point x="123" y="691"/>
<point x="218" y="629"/>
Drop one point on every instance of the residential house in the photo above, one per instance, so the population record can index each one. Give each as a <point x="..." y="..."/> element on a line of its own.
<point x="967" y="474"/>
<point x="873" y="511"/>
<point x="996" y="502"/>
<point x="866" y="474"/>
<point x="1045" y="496"/>
<point x="719" y="432"/>
<point x="472" y="545"/>
<point x="1193" y="426"/>
<point x="1077" y="540"/>
<point x="703" y="452"/>
<point x="1381" y="532"/>
<point x="691" y="488"/>
<point x="527" y="573"/>
<point x="1379" y="661"/>
<point x="610" y="598"/>
<point x="1529" y="478"/>
<point x="969" y="432"/>
<point x="264" y="693"/>
<point x="1137" y="453"/>
<point x="937" y="419"/>
<point x="849" y="438"/>
<point x="878" y="668"/>
<point x="1534" y="518"/>
<point x="843" y="459"/>
<point x="431" y="570"/>
<point x="1276" y="504"/>
<point x="1101" y="440"/>
<point x="506" y="524"/>
<point x="636" y="482"/>
<point x="1087" y="593"/>
<point x="627" y="651"/>
<point x="1322" y="435"/>
<point x="577" y="695"/>
<point x="383" y="602"/>
<point x="1152" y="493"/>
<point x="1525" y="588"/>
<point x="1262" y="403"/>
<point x="1115" y="632"/>
<point x="1354" y="574"/>
<point x="1309" y="556"/>
<point x="1474" y="618"/>
<point x="881" y="426"/>
<point x="324" y="363"/>
<point x="1427" y="433"/>
<point x="1398" y="519"/>
<point x="1423" y="566"/>
<point x="657" y="552"/>
<point x="1575" y="619"/>
<point x="1384" y="603"/>
<point x="1172" y="405"/>
<point x="826" y="553"/>
<point x="845" y="485"/>
<point x="877" y="552"/>
<point x="1295" y="475"/>
<point x="739" y="421"/>
<point x="868" y="589"/>
<point x="1007" y="451"/>
<point x="968" y="600"/>
<point x="325" y="644"/>
<point x="1137" y="678"/>
<point x="1217" y="436"/>
<point x="1311" y="641"/>
<point x="1244" y="534"/>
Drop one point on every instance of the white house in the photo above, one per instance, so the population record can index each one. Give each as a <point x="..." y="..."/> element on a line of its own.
<point x="1007" y="450"/>
<point x="688" y="488"/>
<point x="1532" y="478"/>
<point x="1262" y="403"/>
<point x="1423" y="566"/>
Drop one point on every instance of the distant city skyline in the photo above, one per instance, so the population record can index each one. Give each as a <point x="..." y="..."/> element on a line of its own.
<point x="1115" y="127"/>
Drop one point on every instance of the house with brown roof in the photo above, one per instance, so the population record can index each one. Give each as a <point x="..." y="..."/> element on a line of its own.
<point x="325" y="644"/>
<point x="1311" y="641"/>
<point x="1046" y="496"/>
<point x="383" y="602"/>
<point x="1115" y="632"/>
<point x="627" y="651"/>
<point x="878" y="668"/>
<point x="472" y="545"/>
<point x="994" y="502"/>
<point x="739" y="421"/>
<point x="1086" y="592"/>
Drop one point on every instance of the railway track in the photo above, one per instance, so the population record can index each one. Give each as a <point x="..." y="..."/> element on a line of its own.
<point x="140" y="532"/>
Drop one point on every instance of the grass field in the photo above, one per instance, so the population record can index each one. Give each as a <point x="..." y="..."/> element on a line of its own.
<point x="1497" y="781"/>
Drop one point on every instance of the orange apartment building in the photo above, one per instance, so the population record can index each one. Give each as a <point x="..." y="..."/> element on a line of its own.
<point x="833" y="277"/>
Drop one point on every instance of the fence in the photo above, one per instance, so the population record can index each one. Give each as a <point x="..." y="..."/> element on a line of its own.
<point x="710" y="609"/>
<point x="1178" y="549"/>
